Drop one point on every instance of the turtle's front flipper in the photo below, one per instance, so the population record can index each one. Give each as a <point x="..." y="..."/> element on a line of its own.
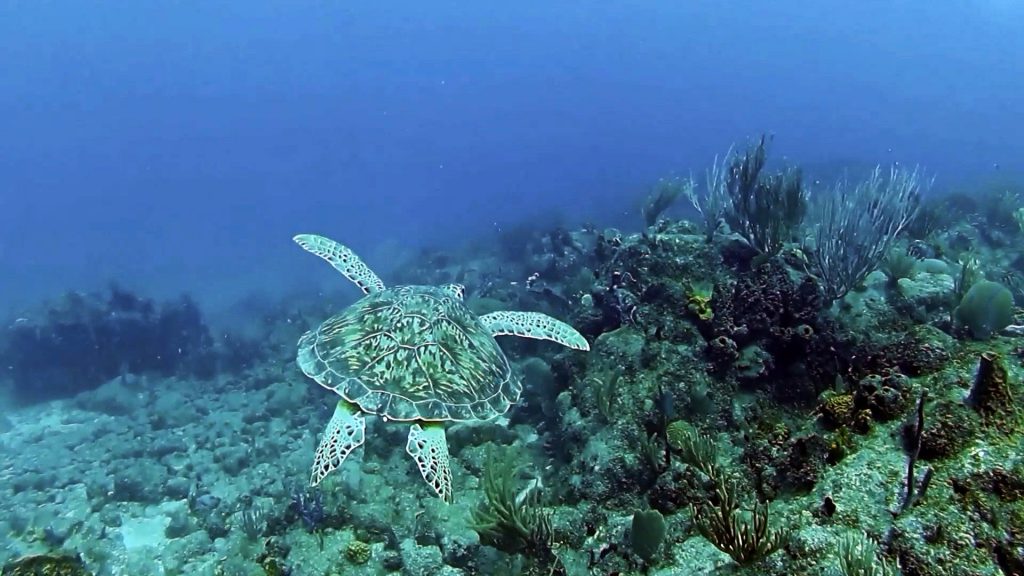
<point x="534" y="325"/>
<point x="345" y="432"/>
<point x="343" y="260"/>
<point x="428" y="446"/>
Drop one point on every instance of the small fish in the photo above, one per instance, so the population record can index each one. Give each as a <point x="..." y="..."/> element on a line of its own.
<point x="666" y="405"/>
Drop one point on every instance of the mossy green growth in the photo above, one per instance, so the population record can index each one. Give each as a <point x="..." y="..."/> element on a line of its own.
<point x="358" y="552"/>
<point x="45" y="565"/>
<point x="985" y="309"/>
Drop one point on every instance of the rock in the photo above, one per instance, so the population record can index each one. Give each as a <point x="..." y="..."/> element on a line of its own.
<point x="420" y="560"/>
<point x="929" y="293"/>
<point x="114" y="398"/>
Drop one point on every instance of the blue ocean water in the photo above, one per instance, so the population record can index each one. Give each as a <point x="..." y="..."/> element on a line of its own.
<point x="157" y="159"/>
<point x="178" y="146"/>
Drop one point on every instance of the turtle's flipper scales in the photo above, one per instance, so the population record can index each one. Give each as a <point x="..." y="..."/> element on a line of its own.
<point x="345" y="432"/>
<point x="343" y="260"/>
<point x="534" y="325"/>
<point x="428" y="446"/>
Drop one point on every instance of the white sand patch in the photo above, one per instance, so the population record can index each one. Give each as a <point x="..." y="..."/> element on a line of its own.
<point x="144" y="532"/>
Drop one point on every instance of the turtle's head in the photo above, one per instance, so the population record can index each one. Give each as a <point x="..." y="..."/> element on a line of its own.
<point x="457" y="291"/>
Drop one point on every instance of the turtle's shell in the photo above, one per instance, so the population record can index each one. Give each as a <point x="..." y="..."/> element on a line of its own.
<point x="411" y="353"/>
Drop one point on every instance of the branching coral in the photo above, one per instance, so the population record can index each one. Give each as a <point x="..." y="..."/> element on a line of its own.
<point x="746" y="539"/>
<point x="695" y="449"/>
<point x="509" y="521"/>
<point x="858" y="557"/>
<point x="604" y="395"/>
<point x="664" y="194"/>
<point x="856" y="224"/>
<point x="765" y="210"/>
<point x="253" y="522"/>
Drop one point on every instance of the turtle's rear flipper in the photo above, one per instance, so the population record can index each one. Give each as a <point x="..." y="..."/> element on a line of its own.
<point x="534" y="325"/>
<point x="428" y="446"/>
<point x="344" y="433"/>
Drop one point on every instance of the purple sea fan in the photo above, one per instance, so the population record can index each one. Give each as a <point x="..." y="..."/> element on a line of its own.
<point x="309" y="506"/>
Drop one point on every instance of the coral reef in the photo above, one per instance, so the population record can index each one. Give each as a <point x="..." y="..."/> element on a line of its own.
<point x="357" y="552"/>
<point x="755" y="402"/>
<point x="45" y="565"/>
<point x="745" y="541"/>
<point x="85" y="340"/>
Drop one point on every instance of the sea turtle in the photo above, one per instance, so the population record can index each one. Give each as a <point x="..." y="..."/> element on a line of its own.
<point x="412" y="354"/>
